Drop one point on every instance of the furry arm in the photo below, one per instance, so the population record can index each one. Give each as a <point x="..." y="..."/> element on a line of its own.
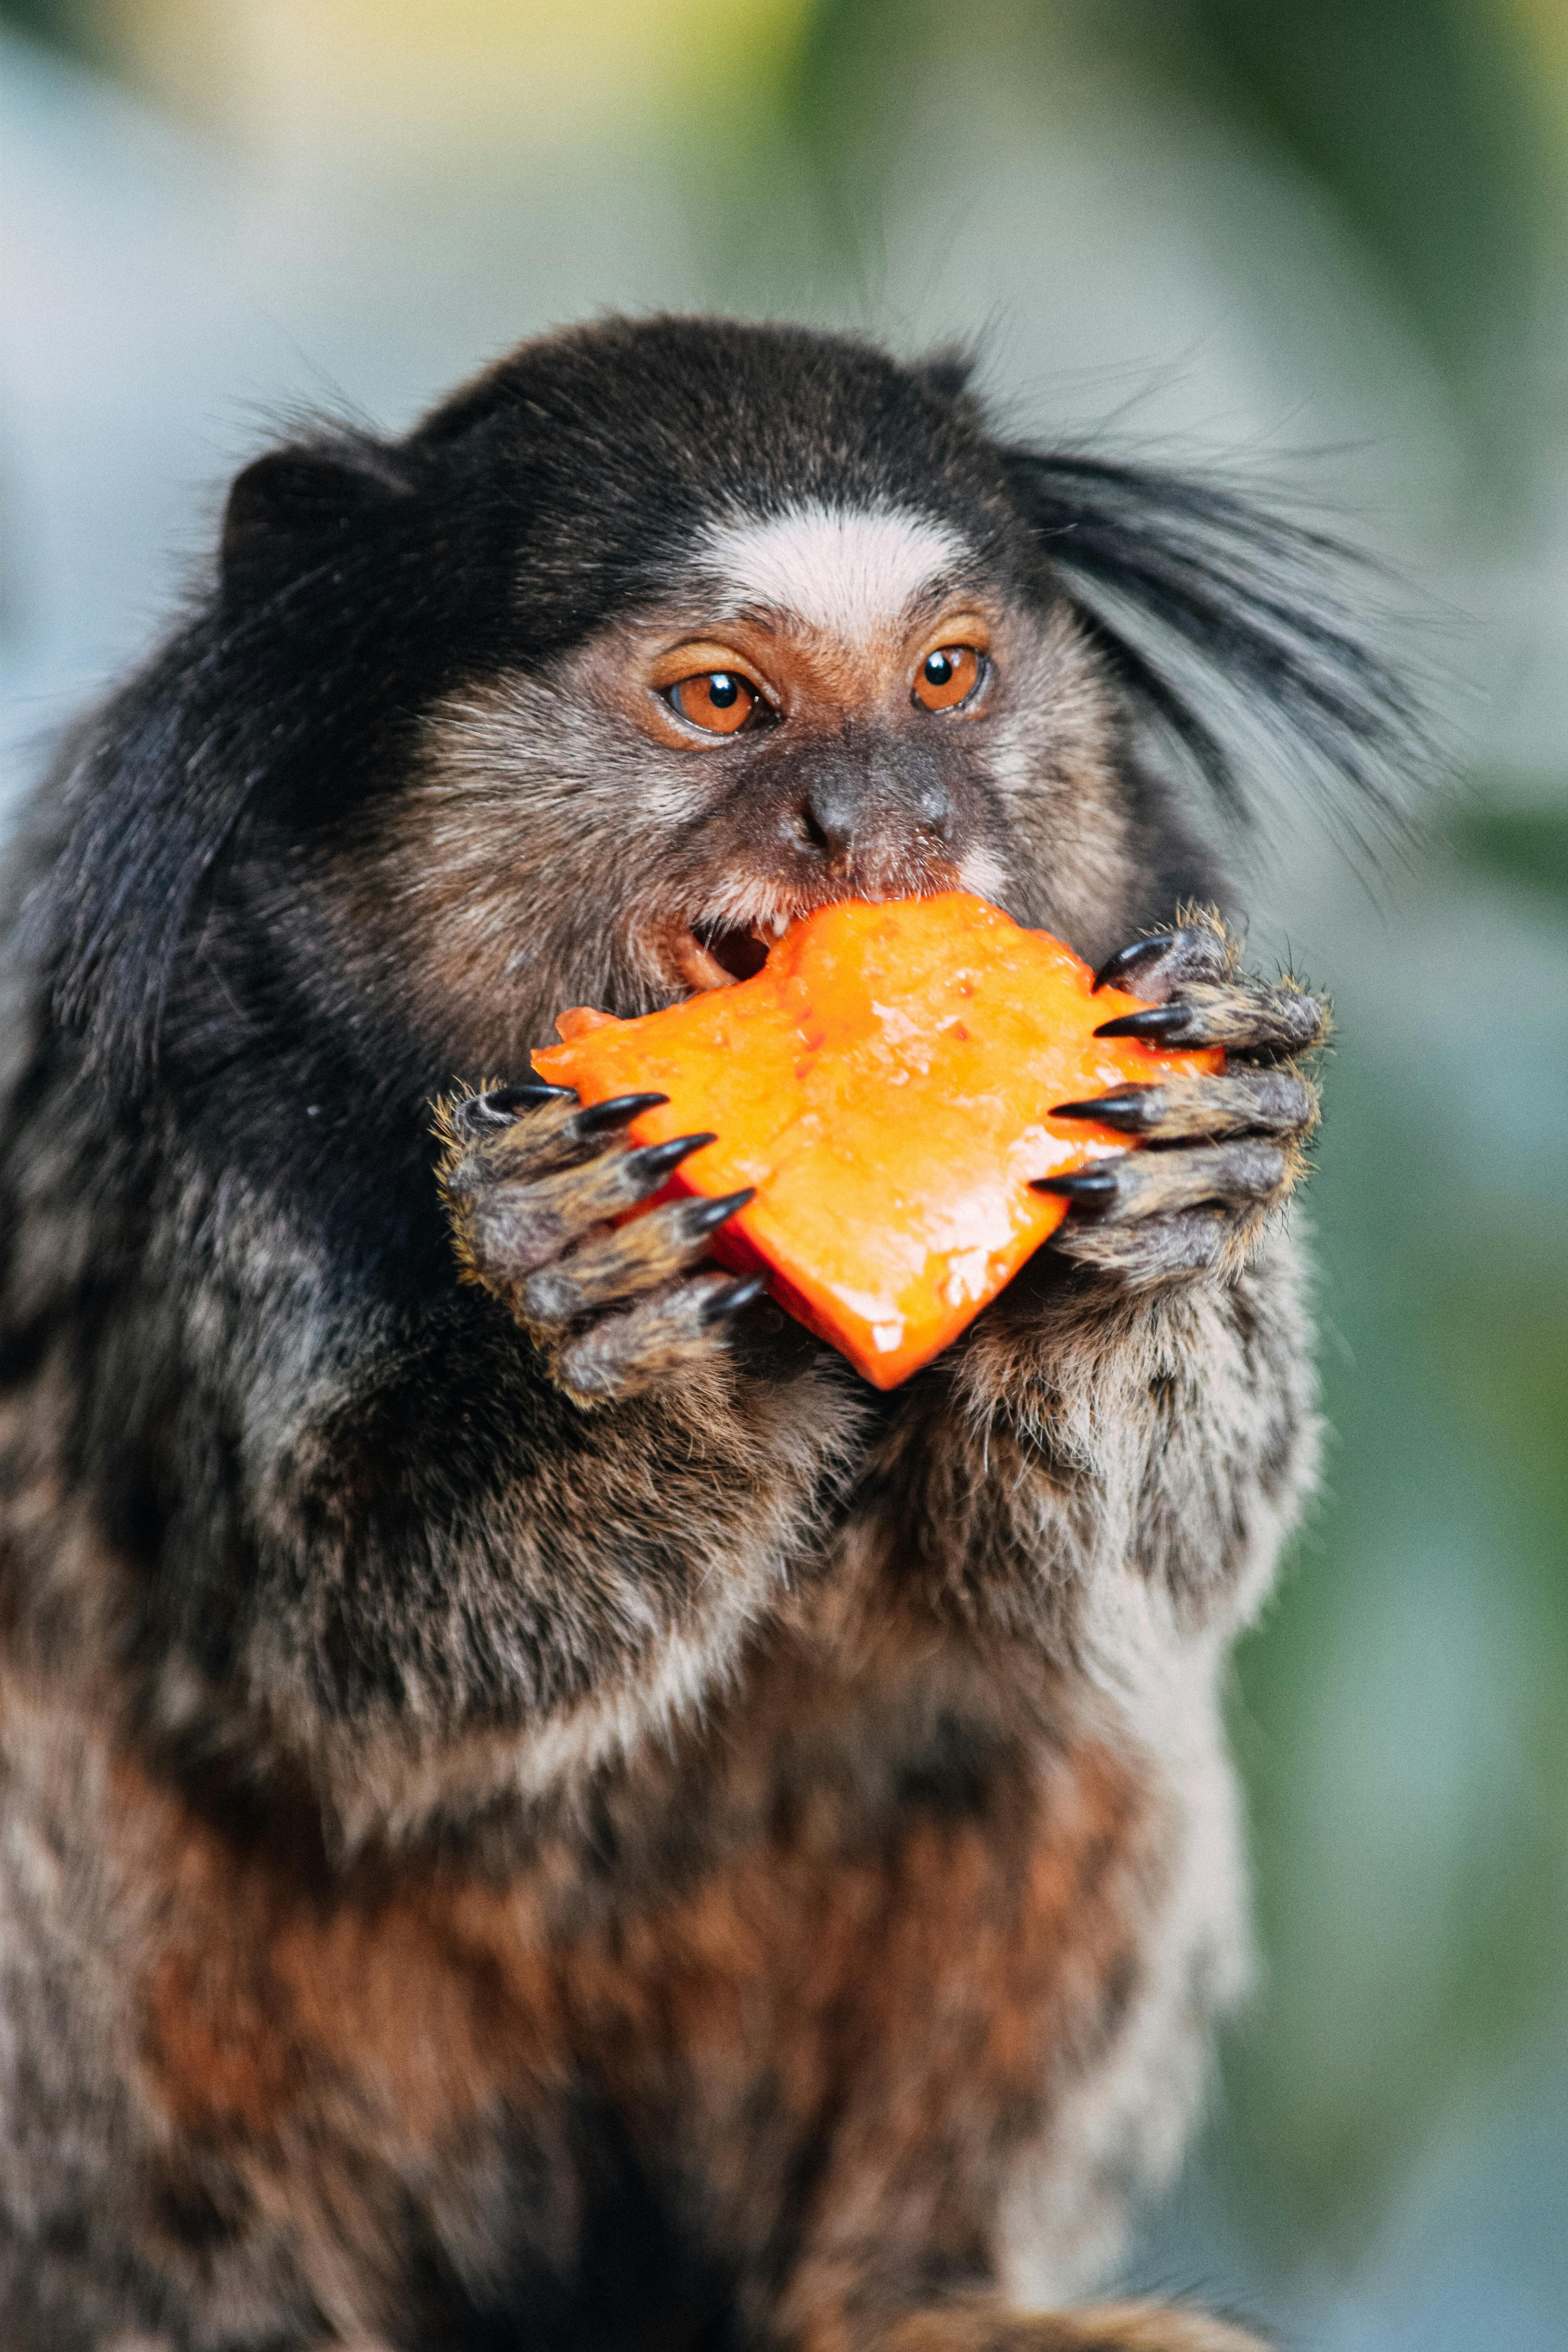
<point x="1108" y="1469"/>
<point x="352" y="1516"/>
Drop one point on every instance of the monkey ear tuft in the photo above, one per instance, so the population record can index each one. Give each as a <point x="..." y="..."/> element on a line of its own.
<point x="1223" y="620"/>
<point x="299" y="506"/>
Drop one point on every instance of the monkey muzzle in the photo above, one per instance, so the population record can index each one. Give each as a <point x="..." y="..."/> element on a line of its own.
<point x="855" y="818"/>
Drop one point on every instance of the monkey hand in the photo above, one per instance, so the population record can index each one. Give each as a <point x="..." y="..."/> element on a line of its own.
<point x="532" y="1182"/>
<point x="1223" y="1153"/>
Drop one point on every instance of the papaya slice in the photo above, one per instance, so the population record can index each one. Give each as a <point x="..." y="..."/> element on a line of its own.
<point x="886" y="1083"/>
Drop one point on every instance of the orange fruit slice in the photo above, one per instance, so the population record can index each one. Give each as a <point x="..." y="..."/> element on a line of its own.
<point x="886" y="1083"/>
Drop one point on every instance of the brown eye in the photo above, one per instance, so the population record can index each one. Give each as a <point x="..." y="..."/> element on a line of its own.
<point x="720" y="701"/>
<point x="947" y="678"/>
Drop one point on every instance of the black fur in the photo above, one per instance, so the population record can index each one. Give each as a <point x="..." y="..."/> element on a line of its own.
<point x="1161" y="564"/>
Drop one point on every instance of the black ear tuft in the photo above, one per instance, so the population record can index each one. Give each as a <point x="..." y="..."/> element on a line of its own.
<point x="297" y="506"/>
<point x="1221" y="620"/>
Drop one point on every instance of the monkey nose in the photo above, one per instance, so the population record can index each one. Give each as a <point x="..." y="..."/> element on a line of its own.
<point x="827" y="819"/>
<point x="838" y="816"/>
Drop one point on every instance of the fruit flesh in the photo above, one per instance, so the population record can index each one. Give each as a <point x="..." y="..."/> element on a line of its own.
<point x="885" y="1083"/>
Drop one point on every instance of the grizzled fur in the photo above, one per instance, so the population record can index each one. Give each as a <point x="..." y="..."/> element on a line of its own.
<point x="538" y="1810"/>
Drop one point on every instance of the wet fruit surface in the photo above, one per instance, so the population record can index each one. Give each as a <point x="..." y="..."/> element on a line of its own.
<point x="886" y="1083"/>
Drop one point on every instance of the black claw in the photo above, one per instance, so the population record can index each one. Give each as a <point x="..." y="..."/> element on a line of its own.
<point x="502" y="1104"/>
<point x="738" y="1294"/>
<point x="1086" y="1188"/>
<point x="1132" y="1109"/>
<point x="619" y="1110"/>
<point x="706" y="1216"/>
<point x="1156" y="1021"/>
<point x="1126" y="958"/>
<point x="656" y="1159"/>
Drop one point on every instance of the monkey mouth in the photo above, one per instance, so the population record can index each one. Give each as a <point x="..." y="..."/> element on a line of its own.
<point x="716" y="954"/>
<point x="730" y="940"/>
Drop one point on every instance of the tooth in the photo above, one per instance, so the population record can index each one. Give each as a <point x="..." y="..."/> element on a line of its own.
<point x="781" y="925"/>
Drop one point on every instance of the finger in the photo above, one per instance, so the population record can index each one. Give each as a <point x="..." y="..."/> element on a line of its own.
<point x="521" y="1226"/>
<point x="1195" y="1242"/>
<point x="1242" y="1102"/>
<point x="1137" y="1184"/>
<point x="617" y="1112"/>
<point x="546" y="1129"/>
<point x="620" y="1355"/>
<point x="635" y="1257"/>
<point x="1155" y="968"/>
<point x="478" y="1117"/>
<point x="1244" y="1015"/>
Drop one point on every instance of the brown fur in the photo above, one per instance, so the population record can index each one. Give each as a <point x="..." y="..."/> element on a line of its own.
<point x="303" y="2034"/>
<point x="1108" y="2327"/>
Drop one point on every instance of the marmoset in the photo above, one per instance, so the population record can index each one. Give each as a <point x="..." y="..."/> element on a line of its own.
<point x="541" y="1810"/>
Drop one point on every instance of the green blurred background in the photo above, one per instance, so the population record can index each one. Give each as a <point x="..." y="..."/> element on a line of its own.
<point x="1321" y="243"/>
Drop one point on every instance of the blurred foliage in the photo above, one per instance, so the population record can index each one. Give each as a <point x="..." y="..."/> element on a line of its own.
<point x="1417" y="117"/>
<point x="424" y="96"/>
<point x="1403" y="1714"/>
<point x="68" y="24"/>
<point x="1403" y="1719"/>
<point x="1524" y="845"/>
<point x="1420" y="121"/>
<point x="1427" y="124"/>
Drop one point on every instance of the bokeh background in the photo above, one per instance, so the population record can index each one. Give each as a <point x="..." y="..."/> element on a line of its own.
<point x="1320" y="243"/>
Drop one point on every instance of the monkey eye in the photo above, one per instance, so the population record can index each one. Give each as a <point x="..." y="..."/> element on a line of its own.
<point x="720" y="701"/>
<point x="947" y="678"/>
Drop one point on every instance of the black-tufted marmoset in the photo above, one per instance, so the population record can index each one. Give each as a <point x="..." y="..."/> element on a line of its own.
<point x="540" y="1810"/>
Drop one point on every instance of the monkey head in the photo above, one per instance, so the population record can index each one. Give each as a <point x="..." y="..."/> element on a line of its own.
<point x="682" y="630"/>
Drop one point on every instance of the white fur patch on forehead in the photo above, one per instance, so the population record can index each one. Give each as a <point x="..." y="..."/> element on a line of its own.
<point x="851" y="572"/>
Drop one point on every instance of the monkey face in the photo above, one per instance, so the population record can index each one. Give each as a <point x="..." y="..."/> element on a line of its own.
<point x="811" y="654"/>
<point x="879" y="693"/>
<point x="830" y="704"/>
<point x="822" y="728"/>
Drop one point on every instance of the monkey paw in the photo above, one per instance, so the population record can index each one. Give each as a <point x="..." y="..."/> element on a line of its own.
<point x="1223" y="1152"/>
<point x="532" y="1182"/>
